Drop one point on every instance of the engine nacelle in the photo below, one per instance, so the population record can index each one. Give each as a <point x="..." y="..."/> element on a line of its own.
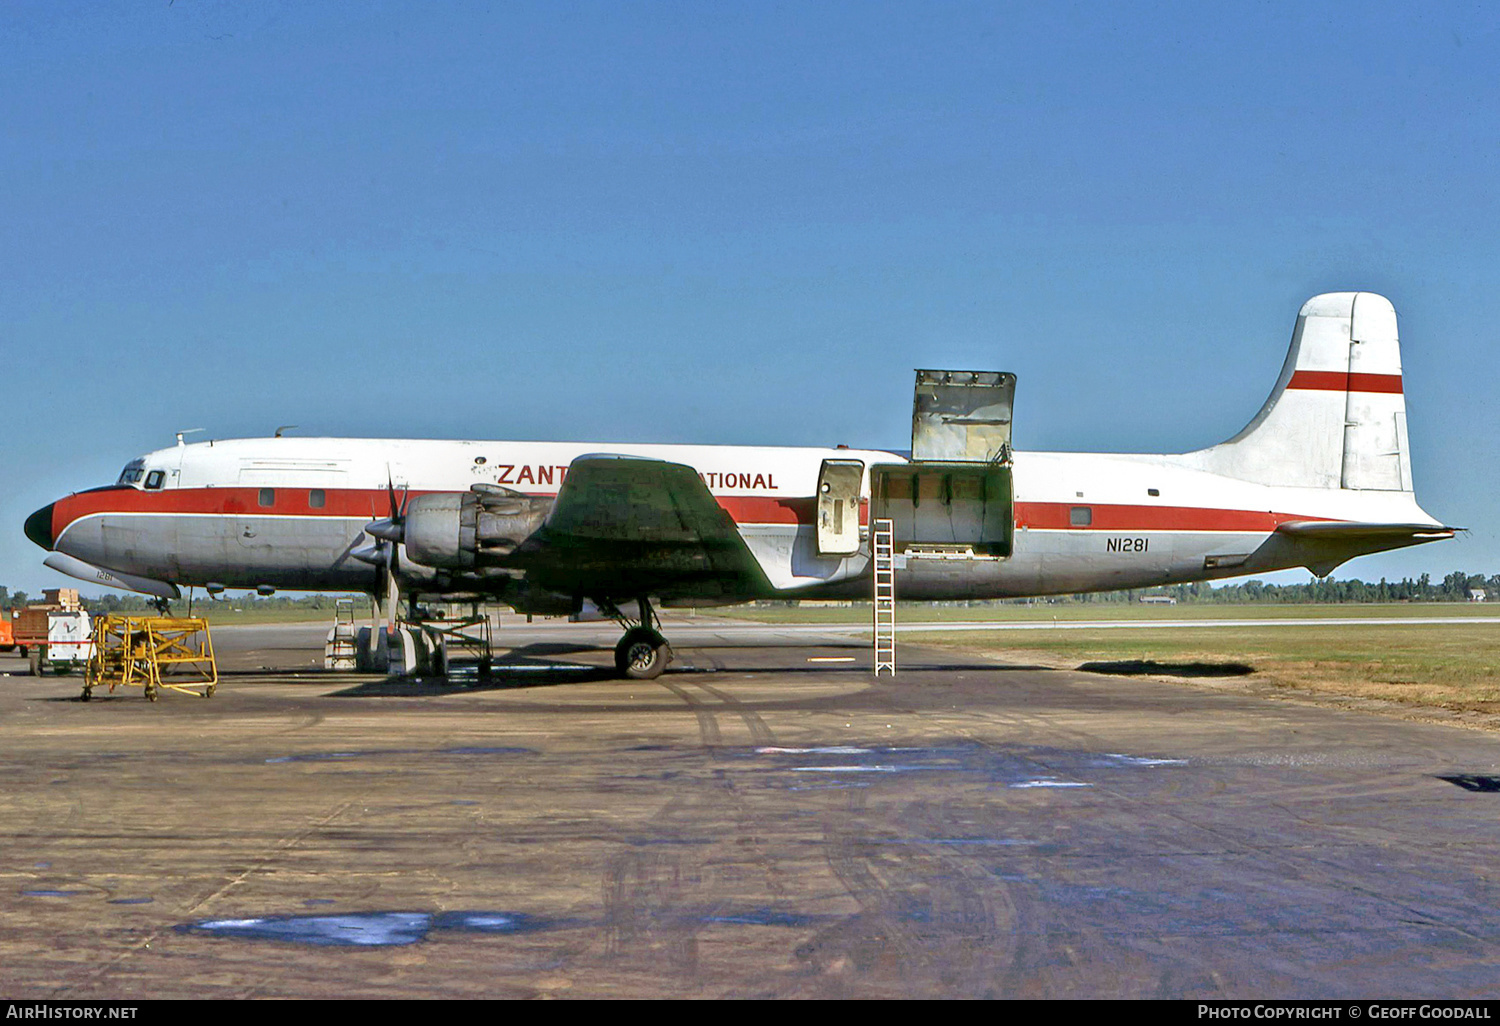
<point x="467" y="530"/>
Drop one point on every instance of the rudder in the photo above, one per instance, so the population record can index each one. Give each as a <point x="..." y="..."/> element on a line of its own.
<point x="1337" y="416"/>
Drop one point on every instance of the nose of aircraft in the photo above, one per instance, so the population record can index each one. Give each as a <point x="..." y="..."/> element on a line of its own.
<point x="39" y="527"/>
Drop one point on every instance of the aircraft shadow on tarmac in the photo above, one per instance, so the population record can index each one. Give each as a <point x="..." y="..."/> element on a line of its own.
<point x="1143" y="667"/>
<point x="535" y="666"/>
<point x="1473" y="781"/>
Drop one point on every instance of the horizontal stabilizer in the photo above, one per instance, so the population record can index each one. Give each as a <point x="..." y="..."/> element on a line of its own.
<point x="1343" y="530"/>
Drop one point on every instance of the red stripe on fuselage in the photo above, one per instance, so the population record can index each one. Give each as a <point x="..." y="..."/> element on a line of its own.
<point x="369" y="504"/>
<point x="745" y="509"/>
<point x="1057" y="516"/>
<point x="1342" y="381"/>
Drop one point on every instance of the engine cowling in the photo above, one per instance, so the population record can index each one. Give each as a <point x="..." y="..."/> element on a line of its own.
<point x="471" y="530"/>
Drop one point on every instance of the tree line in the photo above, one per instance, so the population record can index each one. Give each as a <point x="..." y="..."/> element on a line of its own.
<point x="127" y="602"/>
<point x="1454" y="587"/>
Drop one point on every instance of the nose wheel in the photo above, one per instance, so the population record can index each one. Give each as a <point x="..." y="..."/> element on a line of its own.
<point x="643" y="653"/>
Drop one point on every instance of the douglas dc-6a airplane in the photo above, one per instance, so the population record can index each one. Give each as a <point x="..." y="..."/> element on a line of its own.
<point x="1322" y="474"/>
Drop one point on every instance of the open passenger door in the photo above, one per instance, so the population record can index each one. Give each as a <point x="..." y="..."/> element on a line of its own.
<point x="839" y="484"/>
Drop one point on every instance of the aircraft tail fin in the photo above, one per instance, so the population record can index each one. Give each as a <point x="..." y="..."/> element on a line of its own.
<point x="1337" y="416"/>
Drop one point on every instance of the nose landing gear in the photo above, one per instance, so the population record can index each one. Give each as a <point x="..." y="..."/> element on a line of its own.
<point x="643" y="653"/>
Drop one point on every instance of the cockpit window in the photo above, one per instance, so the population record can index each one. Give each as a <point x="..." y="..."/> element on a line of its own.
<point x="132" y="473"/>
<point x="155" y="478"/>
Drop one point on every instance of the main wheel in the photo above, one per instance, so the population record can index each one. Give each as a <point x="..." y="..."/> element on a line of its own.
<point x="642" y="654"/>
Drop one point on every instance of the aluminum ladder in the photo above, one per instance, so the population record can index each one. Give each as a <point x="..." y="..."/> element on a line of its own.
<point x="883" y="553"/>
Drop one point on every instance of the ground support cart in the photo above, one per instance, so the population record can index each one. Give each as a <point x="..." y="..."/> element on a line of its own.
<point x="152" y="652"/>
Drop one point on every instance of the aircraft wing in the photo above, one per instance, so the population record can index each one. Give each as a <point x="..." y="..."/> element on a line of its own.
<point x="1342" y="530"/>
<point x="624" y="526"/>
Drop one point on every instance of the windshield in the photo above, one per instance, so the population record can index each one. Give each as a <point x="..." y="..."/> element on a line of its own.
<point x="132" y="474"/>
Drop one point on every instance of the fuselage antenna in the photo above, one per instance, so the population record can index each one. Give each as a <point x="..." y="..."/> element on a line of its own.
<point x="187" y="431"/>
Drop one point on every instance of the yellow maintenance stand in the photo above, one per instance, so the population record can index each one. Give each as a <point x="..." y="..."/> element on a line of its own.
<point x="152" y="652"/>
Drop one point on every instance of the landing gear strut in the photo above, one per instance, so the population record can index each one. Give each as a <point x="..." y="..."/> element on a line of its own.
<point x="643" y="653"/>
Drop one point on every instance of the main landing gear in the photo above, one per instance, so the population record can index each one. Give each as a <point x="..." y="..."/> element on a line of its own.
<point x="643" y="653"/>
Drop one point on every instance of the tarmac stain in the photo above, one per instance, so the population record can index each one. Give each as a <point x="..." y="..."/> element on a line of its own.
<point x="1113" y="758"/>
<point x="51" y="894"/>
<point x="366" y="929"/>
<point x="1050" y="783"/>
<point x="765" y="917"/>
<point x="1012" y="767"/>
<point x="323" y="756"/>
<point x="490" y="922"/>
<point x="858" y="769"/>
<point x="131" y="901"/>
<point x="989" y="842"/>
<point x="338" y="756"/>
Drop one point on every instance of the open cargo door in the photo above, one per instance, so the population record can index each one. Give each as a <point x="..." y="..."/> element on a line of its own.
<point x="955" y="499"/>
<point x="962" y="416"/>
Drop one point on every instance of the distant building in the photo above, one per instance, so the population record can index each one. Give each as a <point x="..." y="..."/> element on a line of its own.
<point x="1159" y="600"/>
<point x="1474" y="594"/>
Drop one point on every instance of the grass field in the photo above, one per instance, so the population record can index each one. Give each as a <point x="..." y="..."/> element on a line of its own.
<point x="222" y="613"/>
<point x="920" y="612"/>
<point x="1449" y="666"/>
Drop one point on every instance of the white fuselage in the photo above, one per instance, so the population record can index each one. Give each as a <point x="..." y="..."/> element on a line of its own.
<point x="287" y="513"/>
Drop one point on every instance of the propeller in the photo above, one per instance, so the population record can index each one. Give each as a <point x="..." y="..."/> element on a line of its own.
<point x="389" y="532"/>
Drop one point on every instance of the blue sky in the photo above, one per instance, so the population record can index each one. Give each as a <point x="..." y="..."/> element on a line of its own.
<point x="738" y="223"/>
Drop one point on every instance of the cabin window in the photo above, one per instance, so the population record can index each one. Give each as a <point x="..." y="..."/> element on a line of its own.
<point x="268" y="497"/>
<point x="317" y="498"/>
<point x="1081" y="516"/>
<point x="1153" y="491"/>
<point x="155" y="478"/>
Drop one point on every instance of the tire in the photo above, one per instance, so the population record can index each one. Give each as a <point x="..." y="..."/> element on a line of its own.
<point x="642" y="654"/>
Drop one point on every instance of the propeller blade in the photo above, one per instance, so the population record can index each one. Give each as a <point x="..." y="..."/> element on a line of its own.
<point x="392" y="601"/>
